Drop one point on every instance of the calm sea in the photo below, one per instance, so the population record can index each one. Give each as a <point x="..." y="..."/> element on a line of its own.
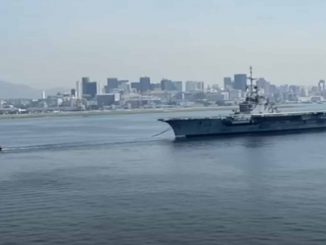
<point x="109" y="180"/>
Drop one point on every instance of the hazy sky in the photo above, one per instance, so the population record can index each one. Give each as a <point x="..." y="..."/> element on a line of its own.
<point x="52" y="43"/>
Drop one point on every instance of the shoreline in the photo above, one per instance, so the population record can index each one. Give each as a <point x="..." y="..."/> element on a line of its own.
<point x="125" y="112"/>
<point x="111" y="112"/>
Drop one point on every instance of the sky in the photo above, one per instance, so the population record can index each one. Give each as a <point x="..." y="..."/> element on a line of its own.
<point x="53" y="43"/>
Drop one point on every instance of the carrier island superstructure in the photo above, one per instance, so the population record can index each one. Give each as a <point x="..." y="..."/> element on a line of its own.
<point x="255" y="115"/>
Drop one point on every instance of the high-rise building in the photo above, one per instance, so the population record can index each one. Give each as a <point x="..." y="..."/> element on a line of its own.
<point x="89" y="89"/>
<point x="194" y="86"/>
<point x="228" y="83"/>
<point x="135" y="86"/>
<point x="73" y="92"/>
<point x="92" y="89"/>
<point x="166" y="85"/>
<point x="177" y="85"/>
<point x="123" y="86"/>
<point x="264" y="86"/>
<point x="112" y="84"/>
<point x="155" y="86"/>
<point x="85" y="81"/>
<point x="240" y="82"/>
<point x="144" y="84"/>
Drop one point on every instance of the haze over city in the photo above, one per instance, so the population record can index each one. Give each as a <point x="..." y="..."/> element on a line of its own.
<point x="162" y="122"/>
<point x="53" y="43"/>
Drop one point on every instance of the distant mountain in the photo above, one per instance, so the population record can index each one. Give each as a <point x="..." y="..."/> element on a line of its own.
<point x="18" y="91"/>
<point x="11" y="90"/>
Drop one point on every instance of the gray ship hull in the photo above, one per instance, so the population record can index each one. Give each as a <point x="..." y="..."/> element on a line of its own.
<point x="215" y="126"/>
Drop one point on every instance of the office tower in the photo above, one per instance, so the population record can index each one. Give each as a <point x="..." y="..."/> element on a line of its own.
<point x="177" y="86"/>
<point x="89" y="89"/>
<point x="194" y="86"/>
<point x="228" y="83"/>
<point x="240" y="82"/>
<point x="135" y="86"/>
<point x="166" y="84"/>
<point x="112" y="84"/>
<point x="85" y="81"/>
<point x="123" y="86"/>
<point x="73" y="93"/>
<point x="155" y="86"/>
<point x="144" y="84"/>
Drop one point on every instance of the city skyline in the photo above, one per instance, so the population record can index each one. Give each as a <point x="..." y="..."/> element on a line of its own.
<point x="51" y="44"/>
<point x="101" y="84"/>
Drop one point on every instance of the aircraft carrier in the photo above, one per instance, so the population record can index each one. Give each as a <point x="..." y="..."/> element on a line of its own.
<point x="255" y="115"/>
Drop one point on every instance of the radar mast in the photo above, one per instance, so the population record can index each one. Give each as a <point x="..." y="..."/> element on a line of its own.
<point x="251" y="79"/>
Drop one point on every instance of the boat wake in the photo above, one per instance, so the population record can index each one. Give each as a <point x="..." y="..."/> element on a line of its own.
<point x="75" y="146"/>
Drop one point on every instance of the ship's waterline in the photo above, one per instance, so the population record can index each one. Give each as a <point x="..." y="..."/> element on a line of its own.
<point x="256" y="114"/>
<point x="253" y="124"/>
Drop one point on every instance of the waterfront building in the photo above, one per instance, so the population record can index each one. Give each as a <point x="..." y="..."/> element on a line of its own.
<point x="105" y="100"/>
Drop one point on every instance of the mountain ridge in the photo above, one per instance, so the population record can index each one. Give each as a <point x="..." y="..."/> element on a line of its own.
<point x="10" y="90"/>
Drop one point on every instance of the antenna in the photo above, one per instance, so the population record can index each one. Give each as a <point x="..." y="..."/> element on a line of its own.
<point x="251" y="80"/>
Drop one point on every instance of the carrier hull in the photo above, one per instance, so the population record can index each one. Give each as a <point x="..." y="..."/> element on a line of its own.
<point x="256" y="124"/>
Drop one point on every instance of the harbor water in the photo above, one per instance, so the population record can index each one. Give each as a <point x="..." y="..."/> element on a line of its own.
<point x="113" y="179"/>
